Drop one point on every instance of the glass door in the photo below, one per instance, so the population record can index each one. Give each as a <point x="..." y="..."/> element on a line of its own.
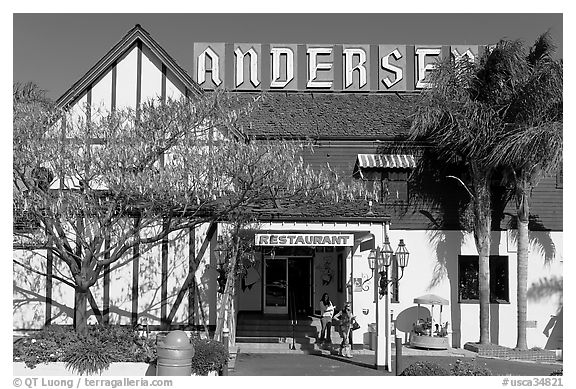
<point x="276" y="285"/>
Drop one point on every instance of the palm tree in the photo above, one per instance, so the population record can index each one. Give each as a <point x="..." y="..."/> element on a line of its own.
<point x="531" y="146"/>
<point x="502" y="112"/>
<point x="456" y="118"/>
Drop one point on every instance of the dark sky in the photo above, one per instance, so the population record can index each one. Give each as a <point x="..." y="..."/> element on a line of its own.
<point x="55" y="50"/>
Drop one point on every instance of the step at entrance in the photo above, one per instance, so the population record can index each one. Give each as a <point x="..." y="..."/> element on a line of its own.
<point x="258" y="333"/>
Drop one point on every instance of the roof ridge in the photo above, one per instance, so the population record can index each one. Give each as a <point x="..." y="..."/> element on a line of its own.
<point x="128" y="40"/>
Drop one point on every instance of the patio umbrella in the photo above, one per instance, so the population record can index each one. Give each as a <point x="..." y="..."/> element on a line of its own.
<point x="431" y="299"/>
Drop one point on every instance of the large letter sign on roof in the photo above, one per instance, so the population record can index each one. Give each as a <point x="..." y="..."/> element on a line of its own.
<point x="349" y="54"/>
<point x="314" y="66"/>
<point x="373" y="68"/>
<point x="277" y="54"/>
<point x="425" y="64"/>
<point x="398" y="72"/>
<point x="240" y="66"/>
<point x="214" y="68"/>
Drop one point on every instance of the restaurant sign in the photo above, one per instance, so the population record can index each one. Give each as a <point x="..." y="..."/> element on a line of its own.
<point x="304" y="240"/>
<point x="315" y="67"/>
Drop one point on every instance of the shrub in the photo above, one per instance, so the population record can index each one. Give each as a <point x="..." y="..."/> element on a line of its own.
<point x="557" y="372"/>
<point x="462" y="368"/>
<point x="424" y="368"/>
<point x="55" y="343"/>
<point x="89" y="356"/>
<point x="209" y="355"/>
<point x="127" y="345"/>
<point x="32" y="351"/>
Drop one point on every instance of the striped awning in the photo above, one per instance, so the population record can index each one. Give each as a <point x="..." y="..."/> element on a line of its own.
<point x="385" y="161"/>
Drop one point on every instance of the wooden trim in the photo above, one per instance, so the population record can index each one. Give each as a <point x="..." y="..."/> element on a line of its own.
<point x="135" y="276"/>
<point x="191" y="272"/>
<point x="89" y="104"/>
<point x="164" y="280"/>
<point x="94" y="305"/>
<point x="135" y="34"/>
<point x="138" y="78"/>
<point x="163" y="99"/>
<point x="78" y="254"/>
<point x="187" y="282"/>
<point x="114" y="83"/>
<point x="49" y="265"/>
<point x="106" y="287"/>
<point x="163" y="90"/>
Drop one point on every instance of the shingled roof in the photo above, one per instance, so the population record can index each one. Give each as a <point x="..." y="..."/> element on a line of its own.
<point x="319" y="210"/>
<point x="330" y="115"/>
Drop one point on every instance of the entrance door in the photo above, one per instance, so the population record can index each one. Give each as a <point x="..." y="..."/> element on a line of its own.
<point x="285" y="277"/>
<point x="300" y="286"/>
<point x="276" y="285"/>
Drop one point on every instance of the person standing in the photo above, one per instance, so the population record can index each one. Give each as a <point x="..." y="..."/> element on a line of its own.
<point x="346" y="318"/>
<point x="326" y="313"/>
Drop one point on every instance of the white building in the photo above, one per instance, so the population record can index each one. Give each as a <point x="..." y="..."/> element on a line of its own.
<point x="321" y="247"/>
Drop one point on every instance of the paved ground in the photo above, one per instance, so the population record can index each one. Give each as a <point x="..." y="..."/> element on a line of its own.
<point x="362" y="365"/>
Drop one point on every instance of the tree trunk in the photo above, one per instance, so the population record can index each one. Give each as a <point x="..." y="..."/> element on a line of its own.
<point x="224" y="306"/>
<point x="228" y="290"/>
<point x="522" y="211"/>
<point x="80" y="311"/>
<point x="482" y="229"/>
<point x="233" y="313"/>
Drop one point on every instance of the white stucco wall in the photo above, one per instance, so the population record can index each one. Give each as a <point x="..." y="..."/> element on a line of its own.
<point x="433" y="268"/>
<point x="102" y="97"/>
<point x="76" y="117"/>
<point x="126" y="78"/>
<point x="151" y="83"/>
<point x="174" y="88"/>
<point x="29" y="292"/>
<point x="150" y="278"/>
<point x="29" y="289"/>
<point x="206" y="277"/>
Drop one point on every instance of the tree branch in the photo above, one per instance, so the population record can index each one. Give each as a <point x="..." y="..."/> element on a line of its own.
<point x="44" y="274"/>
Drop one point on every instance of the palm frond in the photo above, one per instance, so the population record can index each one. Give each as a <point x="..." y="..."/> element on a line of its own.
<point x="541" y="49"/>
<point x="539" y="147"/>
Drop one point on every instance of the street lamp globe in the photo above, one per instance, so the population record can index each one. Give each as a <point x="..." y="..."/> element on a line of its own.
<point x="372" y="258"/>
<point x="402" y="254"/>
<point x="386" y="254"/>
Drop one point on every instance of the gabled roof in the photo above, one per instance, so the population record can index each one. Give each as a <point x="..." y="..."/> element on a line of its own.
<point x="134" y="35"/>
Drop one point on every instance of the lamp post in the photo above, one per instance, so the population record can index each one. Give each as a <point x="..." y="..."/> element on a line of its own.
<point x="379" y="261"/>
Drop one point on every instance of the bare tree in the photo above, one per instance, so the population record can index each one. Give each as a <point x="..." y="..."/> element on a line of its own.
<point x="98" y="187"/>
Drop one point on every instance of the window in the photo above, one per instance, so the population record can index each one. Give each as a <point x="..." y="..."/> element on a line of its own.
<point x="394" y="186"/>
<point x="388" y="171"/>
<point x="468" y="279"/>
